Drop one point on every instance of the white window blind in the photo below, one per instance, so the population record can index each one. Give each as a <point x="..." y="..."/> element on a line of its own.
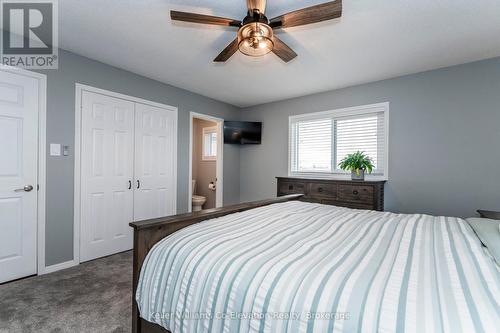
<point x="314" y="145"/>
<point x="319" y="141"/>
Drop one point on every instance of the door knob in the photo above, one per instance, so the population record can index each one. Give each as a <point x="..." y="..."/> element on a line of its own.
<point x="27" y="188"/>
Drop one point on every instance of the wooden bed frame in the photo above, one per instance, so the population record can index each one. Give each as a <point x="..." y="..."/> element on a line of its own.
<point x="148" y="233"/>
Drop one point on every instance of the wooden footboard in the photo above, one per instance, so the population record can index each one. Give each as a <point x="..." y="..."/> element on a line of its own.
<point x="148" y="233"/>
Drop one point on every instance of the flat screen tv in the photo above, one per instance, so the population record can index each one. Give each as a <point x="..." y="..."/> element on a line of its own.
<point x="242" y="132"/>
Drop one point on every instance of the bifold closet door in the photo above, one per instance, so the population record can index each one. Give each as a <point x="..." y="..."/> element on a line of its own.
<point x="154" y="162"/>
<point x="107" y="161"/>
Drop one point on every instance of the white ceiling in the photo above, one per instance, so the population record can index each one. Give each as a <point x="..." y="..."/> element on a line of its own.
<point x="373" y="40"/>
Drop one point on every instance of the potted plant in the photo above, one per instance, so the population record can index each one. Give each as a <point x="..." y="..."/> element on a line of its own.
<point x="357" y="163"/>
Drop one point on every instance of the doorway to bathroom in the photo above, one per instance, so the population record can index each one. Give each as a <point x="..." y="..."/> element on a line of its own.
<point x="206" y="162"/>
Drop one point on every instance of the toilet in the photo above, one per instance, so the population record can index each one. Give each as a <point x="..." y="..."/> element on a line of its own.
<point x="197" y="201"/>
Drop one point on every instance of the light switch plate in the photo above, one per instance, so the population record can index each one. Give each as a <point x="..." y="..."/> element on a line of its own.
<point x="55" y="149"/>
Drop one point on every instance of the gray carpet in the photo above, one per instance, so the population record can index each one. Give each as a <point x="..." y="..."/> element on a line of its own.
<point x="92" y="297"/>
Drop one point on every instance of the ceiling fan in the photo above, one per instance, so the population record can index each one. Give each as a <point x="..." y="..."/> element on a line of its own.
<point x="255" y="33"/>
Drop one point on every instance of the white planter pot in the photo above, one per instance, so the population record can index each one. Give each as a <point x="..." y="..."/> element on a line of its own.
<point x="361" y="176"/>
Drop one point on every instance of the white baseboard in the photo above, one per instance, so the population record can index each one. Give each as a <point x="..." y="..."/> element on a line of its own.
<point x="58" y="267"/>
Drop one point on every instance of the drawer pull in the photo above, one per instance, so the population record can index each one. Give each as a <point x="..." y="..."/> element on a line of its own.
<point x="320" y="189"/>
<point x="355" y="192"/>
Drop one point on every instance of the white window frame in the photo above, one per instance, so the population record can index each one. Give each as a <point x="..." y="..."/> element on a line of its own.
<point x="208" y="130"/>
<point x="351" y="111"/>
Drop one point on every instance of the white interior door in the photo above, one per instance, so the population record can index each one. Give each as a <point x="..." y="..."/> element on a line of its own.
<point x="154" y="162"/>
<point x="19" y="96"/>
<point x="107" y="157"/>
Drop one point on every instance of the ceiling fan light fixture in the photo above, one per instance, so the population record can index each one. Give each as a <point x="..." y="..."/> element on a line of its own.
<point x="255" y="32"/>
<point x="255" y="39"/>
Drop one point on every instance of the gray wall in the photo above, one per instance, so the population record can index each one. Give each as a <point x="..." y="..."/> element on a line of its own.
<point x="203" y="171"/>
<point x="444" y="139"/>
<point x="61" y="129"/>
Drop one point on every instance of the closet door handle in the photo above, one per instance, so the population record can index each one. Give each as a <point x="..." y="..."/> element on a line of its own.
<point x="129" y="184"/>
<point x="138" y="183"/>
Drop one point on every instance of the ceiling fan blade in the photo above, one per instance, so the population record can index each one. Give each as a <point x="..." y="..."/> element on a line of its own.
<point x="203" y="19"/>
<point x="282" y="50"/>
<point x="322" y="12"/>
<point x="227" y="52"/>
<point x="260" y="5"/>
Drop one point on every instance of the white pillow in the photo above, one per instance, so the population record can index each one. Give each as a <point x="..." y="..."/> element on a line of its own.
<point x="488" y="231"/>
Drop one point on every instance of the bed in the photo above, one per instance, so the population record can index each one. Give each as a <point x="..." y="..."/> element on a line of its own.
<point x="283" y="265"/>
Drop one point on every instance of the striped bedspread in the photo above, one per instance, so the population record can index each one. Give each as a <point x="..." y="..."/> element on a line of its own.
<point x="302" y="267"/>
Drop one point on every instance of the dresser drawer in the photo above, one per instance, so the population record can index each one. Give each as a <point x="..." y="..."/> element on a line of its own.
<point x="322" y="190"/>
<point x="292" y="188"/>
<point x="355" y="193"/>
<point x="311" y="199"/>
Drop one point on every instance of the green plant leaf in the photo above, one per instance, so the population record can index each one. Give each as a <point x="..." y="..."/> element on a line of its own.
<point x="357" y="161"/>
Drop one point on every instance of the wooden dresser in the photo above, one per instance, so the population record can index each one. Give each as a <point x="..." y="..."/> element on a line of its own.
<point x="345" y="193"/>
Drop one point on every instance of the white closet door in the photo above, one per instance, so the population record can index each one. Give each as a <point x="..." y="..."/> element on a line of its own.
<point x="107" y="157"/>
<point x="18" y="175"/>
<point x="154" y="163"/>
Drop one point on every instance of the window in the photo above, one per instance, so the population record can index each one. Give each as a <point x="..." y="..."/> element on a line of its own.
<point x="319" y="141"/>
<point x="209" y="143"/>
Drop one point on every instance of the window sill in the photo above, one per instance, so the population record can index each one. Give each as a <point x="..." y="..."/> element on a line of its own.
<point x="347" y="176"/>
